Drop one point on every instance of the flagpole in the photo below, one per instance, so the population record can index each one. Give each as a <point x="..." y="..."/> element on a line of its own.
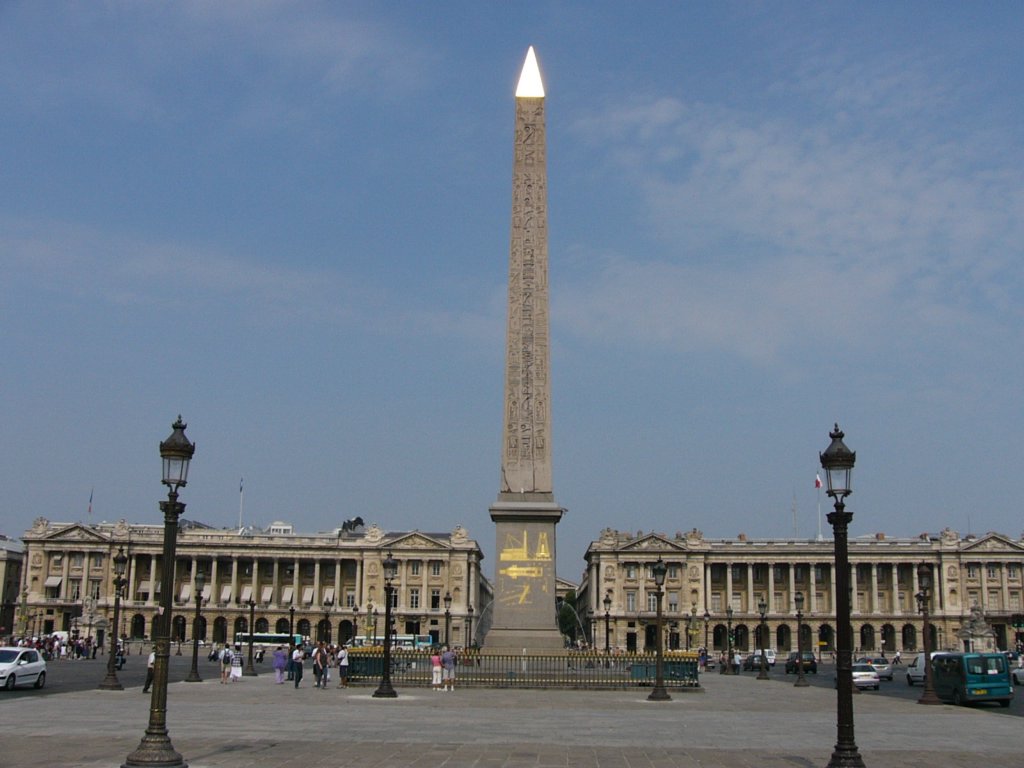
<point x="817" y="487"/>
<point x="241" y="501"/>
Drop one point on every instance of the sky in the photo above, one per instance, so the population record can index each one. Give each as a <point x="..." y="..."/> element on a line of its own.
<point x="289" y="223"/>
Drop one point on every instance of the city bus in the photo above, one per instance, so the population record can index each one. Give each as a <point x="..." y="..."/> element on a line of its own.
<point x="405" y="642"/>
<point x="966" y="678"/>
<point x="267" y="640"/>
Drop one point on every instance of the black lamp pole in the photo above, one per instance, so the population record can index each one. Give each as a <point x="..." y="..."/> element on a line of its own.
<point x="924" y="578"/>
<point x="838" y="461"/>
<point x="447" y="617"/>
<point x="250" y="670"/>
<point x="328" y="604"/>
<point x="801" y="681"/>
<point x="110" y="682"/>
<point x="607" y="622"/>
<point x="727" y="667"/>
<point x="375" y="615"/>
<point x="469" y="627"/>
<point x="384" y="690"/>
<point x="155" y="749"/>
<point x="707" y="618"/>
<point x="355" y="623"/>
<point x="659" y="693"/>
<point x="193" y="674"/>
<point x="291" y="621"/>
<point x="762" y="630"/>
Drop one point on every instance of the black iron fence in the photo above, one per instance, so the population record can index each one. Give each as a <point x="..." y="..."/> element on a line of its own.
<point x="592" y="670"/>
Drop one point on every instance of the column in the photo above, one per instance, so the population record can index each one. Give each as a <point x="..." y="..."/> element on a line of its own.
<point x="234" y="578"/>
<point x="212" y="581"/>
<point x="359" y="583"/>
<point x="897" y="607"/>
<point x="751" y="597"/>
<point x="812" y="581"/>
<point x="874" y="588"/>
<point x="728" y="586"/>
<point x="791" y="587"/>
<point x="296" y="594"/>
<point x="771" y="588"/>
<point x="275" y="596"/>
<point x="254" y="582"/>
<point x="133" y="581"/>
<point x="317" y="596"/>
<point x="338" y="597"/>
<point x="983" y="575"/>
<point x="854" y="602"/>
<point x="1004" y="589"/>
<point x="65" y="590"/>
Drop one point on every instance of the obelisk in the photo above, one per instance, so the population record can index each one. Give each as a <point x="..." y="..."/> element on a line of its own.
<point x="525" y="513"/>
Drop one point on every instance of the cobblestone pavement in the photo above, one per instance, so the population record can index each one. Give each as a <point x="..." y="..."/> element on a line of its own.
<point x="733" y="721"/>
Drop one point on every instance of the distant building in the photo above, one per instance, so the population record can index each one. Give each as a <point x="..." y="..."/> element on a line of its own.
<point x="707" y="576"/>
<point x="326" y="585"/>
<point x="11" y="557"/>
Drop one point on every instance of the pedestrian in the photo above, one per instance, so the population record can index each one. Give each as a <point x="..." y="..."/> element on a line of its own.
<point x="236" y="667"/>
<point x="320" y="665"/>
<point x="737" y="661"/>
<point x="435" y="666"/>
<point x="448" y="661"/>
<point x="149" y="671"/>
<point x="280" y="663"/>
<point x="297" y="665"/>
<point x="343" y="667"/>
<point x="225" y="665"/>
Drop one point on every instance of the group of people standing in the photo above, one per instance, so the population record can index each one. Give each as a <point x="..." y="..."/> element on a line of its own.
<point x="289" y="664"/>
<point x="442" y="663"/>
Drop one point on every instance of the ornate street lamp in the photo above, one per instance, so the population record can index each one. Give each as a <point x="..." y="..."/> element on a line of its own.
<point x="355" y="623"/>
<point x="607" y="621"/>
<point x="727" y="667"/>
<point x="328" y="604"/>
<point x="707" y="618"/>
<point x="924" y="578"/>
<point x="469" y="627"/>
<point x="801" y="681"/>
<point x="659" y="693"/>
<point x="762" y="630"/>
<point x="384" y="690"/>
<point x="110" y="682"/>
<point x="375" y="615"/>
<point x="250" y="670"/>
<point x="447" y="617"/>
<point x="155" y="749"/>
<point x="291" y="621"/>
<point x="838" y="461"/>
<point x="193" y="674"/>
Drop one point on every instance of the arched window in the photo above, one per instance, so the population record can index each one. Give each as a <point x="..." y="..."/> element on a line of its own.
<point x="281" y="626"/>
<point x="262" y="625"/>
<point x="220" y="630"/>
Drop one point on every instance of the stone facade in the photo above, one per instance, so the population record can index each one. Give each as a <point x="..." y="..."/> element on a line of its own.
<point x="707" y="575"/>
<point x="332" y="579"/>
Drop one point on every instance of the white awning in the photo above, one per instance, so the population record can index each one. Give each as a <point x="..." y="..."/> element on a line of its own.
<point x="307" y="595"/>
<point x="225" y="593"/>
<point x="246" y="594"/>
<point x="207" y="591"/>
<point x="53" y="581"/>
<point x="329" y="594"/>
<point x="143" y="586"/>
<point x="268" y="592"/>
<point x="288" y="596"/>
<point x="186" y="591"/>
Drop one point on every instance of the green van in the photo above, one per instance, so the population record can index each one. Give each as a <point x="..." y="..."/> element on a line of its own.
<point x="966" y="678"/>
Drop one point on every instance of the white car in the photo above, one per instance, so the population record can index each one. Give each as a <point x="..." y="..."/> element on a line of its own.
<point x="21" y="666"/>
<point x="864" y="676"/>
<point x="1017" y="675"/>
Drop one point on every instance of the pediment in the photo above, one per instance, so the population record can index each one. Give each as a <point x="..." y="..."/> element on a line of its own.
<point x="993" y="542"/>
<point x="650" y="542"/>
<point x="416" y="541"/>
<point x="77" y="532"/>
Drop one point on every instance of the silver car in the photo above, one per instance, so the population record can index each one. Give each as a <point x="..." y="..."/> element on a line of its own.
<point x="881" y="665"/>
<point x="21" y="666"/>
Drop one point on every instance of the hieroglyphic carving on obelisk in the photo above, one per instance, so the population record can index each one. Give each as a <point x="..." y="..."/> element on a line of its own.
<point x="526" y="451"/>
<point x="525" y="513"/>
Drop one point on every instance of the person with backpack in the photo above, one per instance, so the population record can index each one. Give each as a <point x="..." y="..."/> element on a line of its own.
<point x="225" y="665"/>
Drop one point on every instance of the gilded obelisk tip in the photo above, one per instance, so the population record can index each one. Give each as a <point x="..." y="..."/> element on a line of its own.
<point x="530" y="85"/>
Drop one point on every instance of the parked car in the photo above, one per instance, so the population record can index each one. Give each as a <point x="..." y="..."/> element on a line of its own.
<point x="865" y="676"/>
<point x="881" y="665"/>
<point x="915" y="669"/>
<point x="21" y="666"/>
<point x="753" y="661"/>
<point x="1017" y="675"/>
<point x="810" y="663"/>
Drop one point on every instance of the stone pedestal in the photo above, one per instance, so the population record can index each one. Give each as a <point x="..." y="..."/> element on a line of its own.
<point x="524" y="616"/>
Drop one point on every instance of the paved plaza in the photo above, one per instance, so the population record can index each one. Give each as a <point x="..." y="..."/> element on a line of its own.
<point x="734" y="721"/>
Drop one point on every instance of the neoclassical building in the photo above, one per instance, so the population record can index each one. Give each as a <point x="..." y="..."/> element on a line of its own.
<point x="707" y="576"/>
<point x="325" y="585"/>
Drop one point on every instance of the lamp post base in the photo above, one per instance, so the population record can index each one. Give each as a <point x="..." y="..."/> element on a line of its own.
<point x="249" y="672"/>
<point x="845" y="757"/>
<point x="155" y="751"/>
<point x="929" y="697"/>
<point x="193" y="677"/>
<point x="110" y="683"/>
<point x="659" y="694"/>
<point x="385" y="691"/>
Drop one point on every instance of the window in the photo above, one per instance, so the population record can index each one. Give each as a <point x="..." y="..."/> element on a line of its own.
<point x="673" y="571"/>
<point x="76" y="560"/>
<point x="630" y="570"/>
<point x="716" y="602"/>
<point x="414" y="598"/>
<point x="652" y="601"/>
<point x="1011" y="570"/>
<point x="97" y="561"/>
<point x="972" y="571"/>
<point x="777" y="573"/>
<point x="737" y="601"/>
<point x="394" y="598"/>
<point x="737" y="572"/>
<point x="819" y="573"/>
<point x="414" y="568"/>
<point x="990" y="571"/>
<point x="798" y="573"/>
<point x="76" y="591"/>
<point x="435" y="567"/>
<point x="350" y="598"/>
<point x="94" y="589"/>
<point x="435" y="599"/>
<point x="673" y="602"/>
<point x="631" y="601"/>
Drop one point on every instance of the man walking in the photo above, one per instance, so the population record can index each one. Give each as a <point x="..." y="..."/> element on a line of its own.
<point x="149" y="671"/>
